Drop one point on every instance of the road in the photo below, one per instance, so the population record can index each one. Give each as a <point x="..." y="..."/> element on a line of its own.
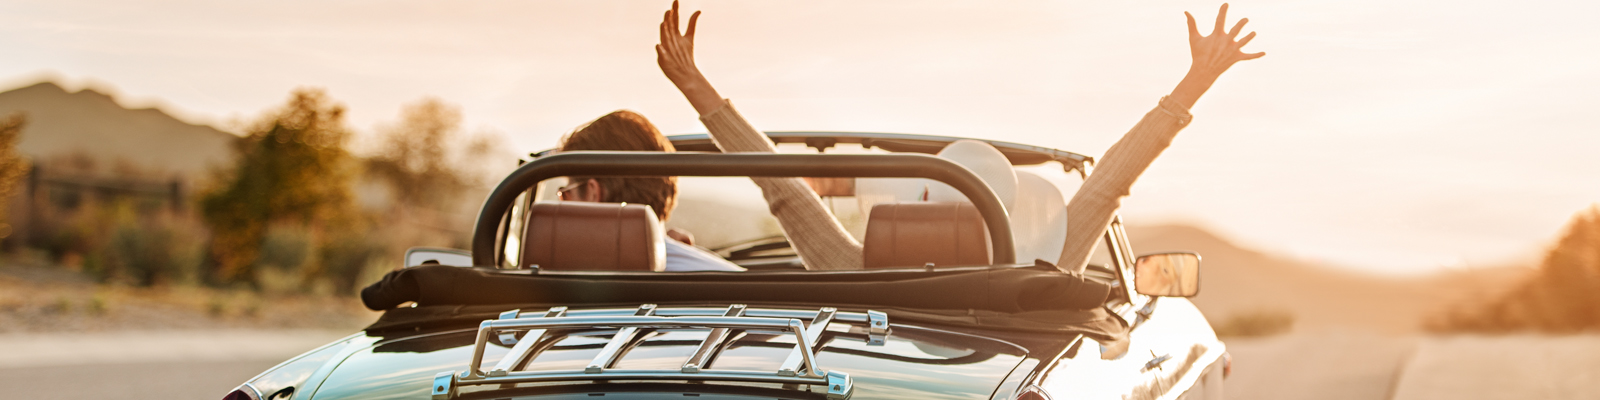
<point x="1333" y="365"/>
<point x="144" y="365"/>
<point x="1317" y="366"/>
<point x="165" y="380"/>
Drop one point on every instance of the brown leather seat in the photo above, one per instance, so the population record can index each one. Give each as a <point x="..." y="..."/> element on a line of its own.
<point x="915" y="234"/>
<point x="583" y="236"/>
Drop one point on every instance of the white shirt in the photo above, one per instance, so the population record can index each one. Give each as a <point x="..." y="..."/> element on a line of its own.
<point x="684" y="258"/>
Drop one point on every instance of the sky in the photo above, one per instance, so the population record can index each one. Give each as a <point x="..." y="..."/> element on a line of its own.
<point x="1397" y="137"/>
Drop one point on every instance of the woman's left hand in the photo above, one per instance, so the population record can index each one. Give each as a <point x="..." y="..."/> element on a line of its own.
<point x="1215" y="53"/>
<point x="1212" y="55"/>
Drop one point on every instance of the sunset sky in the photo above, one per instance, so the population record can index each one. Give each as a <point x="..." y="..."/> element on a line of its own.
<point x="1396" y="136"/>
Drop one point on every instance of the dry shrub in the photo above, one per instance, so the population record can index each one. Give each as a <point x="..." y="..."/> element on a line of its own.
<point x="12" y="166"/>
<point x="1560" y="298"/>
<point x="1255" y="324"/>
<point x="150" y="250"/>
<point x="123" y="242"/>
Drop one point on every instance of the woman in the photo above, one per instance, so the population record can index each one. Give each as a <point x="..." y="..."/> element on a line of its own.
<point x="823" y="244"/>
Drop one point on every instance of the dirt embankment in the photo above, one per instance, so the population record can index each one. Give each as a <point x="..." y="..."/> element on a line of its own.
<point x="38" y="299"/>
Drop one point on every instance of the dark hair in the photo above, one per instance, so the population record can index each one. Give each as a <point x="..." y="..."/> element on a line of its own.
<point x="624" y="130"/>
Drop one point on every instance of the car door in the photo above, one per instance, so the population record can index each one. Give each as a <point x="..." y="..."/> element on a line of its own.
<point x="1169" y="346"/>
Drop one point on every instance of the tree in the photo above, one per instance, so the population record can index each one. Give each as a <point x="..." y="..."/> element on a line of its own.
<point x="425" y="159"/>
<point x="292" y="168"/>
<point x="12" y="166"/>
<point x="1561" y="296"/>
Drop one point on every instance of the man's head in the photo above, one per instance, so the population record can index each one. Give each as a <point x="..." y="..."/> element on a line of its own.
<point x="621" y="130"/>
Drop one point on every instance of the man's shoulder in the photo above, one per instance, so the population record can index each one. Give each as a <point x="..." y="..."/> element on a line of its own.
<point x="683" y="258"/>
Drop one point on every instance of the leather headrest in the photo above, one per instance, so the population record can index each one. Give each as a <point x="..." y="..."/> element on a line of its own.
<point x="584" y="236"/>
<point x="915" y="234"/>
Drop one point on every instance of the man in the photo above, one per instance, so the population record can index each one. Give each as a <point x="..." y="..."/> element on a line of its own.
<point x="628" y="131"/>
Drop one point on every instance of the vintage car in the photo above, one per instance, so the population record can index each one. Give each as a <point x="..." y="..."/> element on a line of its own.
<point x="565" y="299"/>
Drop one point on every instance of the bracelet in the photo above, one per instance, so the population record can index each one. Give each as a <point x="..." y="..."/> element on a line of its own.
<point x="1182" y="116"/>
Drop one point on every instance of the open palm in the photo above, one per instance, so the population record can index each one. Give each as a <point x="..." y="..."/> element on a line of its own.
<point x="1213" y="54"/>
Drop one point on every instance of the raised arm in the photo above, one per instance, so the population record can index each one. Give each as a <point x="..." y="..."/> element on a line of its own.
<point x="1095" y="204"/>
<point x="675" y="55"/>
<point x="1211" y="56"/>
<point x="819" y="239"/>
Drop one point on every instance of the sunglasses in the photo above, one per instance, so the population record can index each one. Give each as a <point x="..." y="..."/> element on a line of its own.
<point x="571" y="189"/>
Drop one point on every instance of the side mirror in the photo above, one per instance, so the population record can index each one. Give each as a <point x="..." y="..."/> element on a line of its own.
<point x="432" y="255"/>
<point x="1167" y="274"/>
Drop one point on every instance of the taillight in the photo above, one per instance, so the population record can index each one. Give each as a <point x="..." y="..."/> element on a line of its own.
<point x="1033" y="393"/>
<point x="243" y="392"/>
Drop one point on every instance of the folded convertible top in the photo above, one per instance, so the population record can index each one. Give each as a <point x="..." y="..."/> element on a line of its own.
<point x="999" y="289"/>
<point x="1010" y="298"/>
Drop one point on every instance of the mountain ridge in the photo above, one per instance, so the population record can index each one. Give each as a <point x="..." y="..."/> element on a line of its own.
<point x="94" y="124"/>
<point x="1236" y="280"/>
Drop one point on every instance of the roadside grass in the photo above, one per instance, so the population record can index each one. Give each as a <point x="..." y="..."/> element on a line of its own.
<point x="39" y="298"/>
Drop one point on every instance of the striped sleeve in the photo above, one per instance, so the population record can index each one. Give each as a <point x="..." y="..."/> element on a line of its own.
<point x="813" y="232"/>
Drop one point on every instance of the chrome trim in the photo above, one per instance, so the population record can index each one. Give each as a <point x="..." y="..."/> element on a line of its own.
<point x="253" y="393"/>
<point x="714" y="339"/>
<point x="636" y="374"/>
<point x="1155" y="362"/>
<point x="520" y="351"/>
<point x="802" y="369"/>
<point x="444" y="386"/>
<point x="813" y="332"/>
<point x="509" y="337"/>
<point x="839" y="385"/>
<point x="877" y="328"/>
<point x="624" y="336"/>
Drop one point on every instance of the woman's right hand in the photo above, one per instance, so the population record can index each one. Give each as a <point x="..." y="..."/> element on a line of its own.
<point x="675" y="55"/>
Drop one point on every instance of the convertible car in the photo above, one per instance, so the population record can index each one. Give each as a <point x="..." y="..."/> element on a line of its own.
<point x="559" y="300"/>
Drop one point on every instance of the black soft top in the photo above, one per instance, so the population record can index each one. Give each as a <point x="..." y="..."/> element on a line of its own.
<point x="1013" y="298"/>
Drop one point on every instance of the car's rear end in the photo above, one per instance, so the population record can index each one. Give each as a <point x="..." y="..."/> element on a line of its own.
<point x="654" y="351"/>
<point x="913" y="326"/>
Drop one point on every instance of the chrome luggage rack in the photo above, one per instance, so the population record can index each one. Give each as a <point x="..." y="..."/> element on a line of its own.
<point x="799" y="368"/>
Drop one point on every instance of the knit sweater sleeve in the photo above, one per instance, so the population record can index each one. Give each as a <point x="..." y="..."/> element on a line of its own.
<point x="817" y="237"/>
<point x="1095" y="204"/>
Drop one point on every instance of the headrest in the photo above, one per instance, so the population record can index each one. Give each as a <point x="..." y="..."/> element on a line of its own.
<point x="584" y="236"/>
<point x="1039" y="219"/>
<point x="984" y="160"/>
<point x="915" y="234"/>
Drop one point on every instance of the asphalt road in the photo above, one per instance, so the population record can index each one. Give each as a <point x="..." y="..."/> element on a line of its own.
<point x="166" y="380"/>
<point x="1317" y="366"/>
<point x="1346" y="366"/>
<point x="1514" y="367"/>
<point x="144" y="365"/>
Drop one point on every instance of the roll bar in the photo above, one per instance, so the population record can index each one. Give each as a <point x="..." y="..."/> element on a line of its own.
<point x="485" y="234"/>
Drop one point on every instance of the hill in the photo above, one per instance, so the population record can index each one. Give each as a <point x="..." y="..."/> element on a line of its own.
<point x="93" y="124"/>
<point x="1236" y="280"/>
